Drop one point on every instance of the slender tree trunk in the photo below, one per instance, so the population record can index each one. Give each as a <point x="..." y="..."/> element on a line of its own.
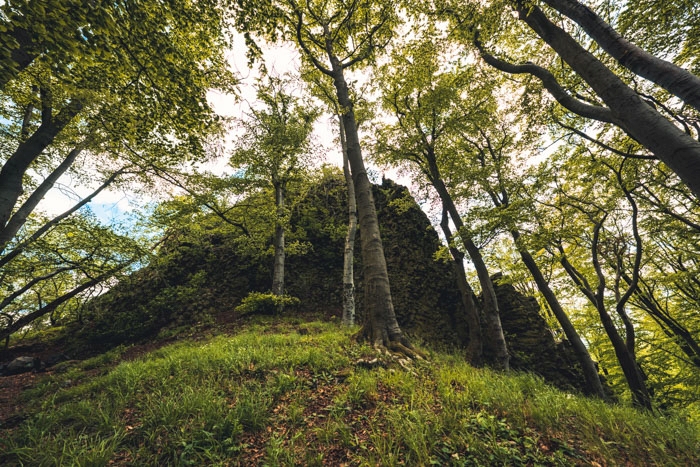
<point x="475" y="347"/>
<point x="640" y="120"/>
<point x="630" y="367"/>
<point x="348" y="256"/>
<point x="380" y="327"/>
<point x="278" y="264"/>
<point x="633" y="375"/>
<point x="590" y="372"/>
<point x="493" y="331"/>
<point x="676" y="80"/>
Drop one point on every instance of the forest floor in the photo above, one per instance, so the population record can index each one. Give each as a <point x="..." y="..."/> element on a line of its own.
<point x="283" y="391"/>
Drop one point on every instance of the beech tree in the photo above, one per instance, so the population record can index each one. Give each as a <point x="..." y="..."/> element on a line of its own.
<point x="272" y="150"/>
<point x="141" y="98"/>
<point x="84" y="94"/>
<point x="614" y="100"/>
<point x="333" y="37"/>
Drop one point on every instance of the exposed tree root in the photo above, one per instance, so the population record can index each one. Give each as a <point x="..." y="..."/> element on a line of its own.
<point x="406" y="351"/>
<point x="399" y="347"/>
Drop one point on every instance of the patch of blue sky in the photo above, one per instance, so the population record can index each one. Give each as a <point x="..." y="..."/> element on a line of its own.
<point x="126" y="221"/>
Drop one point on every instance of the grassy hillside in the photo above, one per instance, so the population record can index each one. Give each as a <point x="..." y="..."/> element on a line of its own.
<point x="286" y="392"/>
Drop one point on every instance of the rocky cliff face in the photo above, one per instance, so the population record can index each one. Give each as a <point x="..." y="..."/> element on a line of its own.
<point x="206" y="274"/>
<point x="531" y="343"/>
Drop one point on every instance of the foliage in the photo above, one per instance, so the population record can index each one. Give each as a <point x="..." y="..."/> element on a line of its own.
<point x="275" y="144"/>
<point x="265" y="303"/>
<point x="240" y="399"/>
<point x="84" y="95"/>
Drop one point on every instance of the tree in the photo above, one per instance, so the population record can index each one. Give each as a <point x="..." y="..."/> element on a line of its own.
<point x="611" y="244"/>
<point x="427" y="106"/>
<point x="614" y="101"/>
<point x="84" y="94"/>
<point x="142" y="99"/>
<point x="334" y="36"/>
<point x="321" y="89"/>
<point x="271" y="151"/>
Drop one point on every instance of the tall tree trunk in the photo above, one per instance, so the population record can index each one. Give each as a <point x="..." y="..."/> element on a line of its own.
<point x="380" y="327"/>
<point x="590" y="372"/>
<point x="640" y="120"/>
<point x="12" y="172"/>
<point x="492" y="320"/>
<point x="676" y="80"/>
<point x="348" y="256"/>
<point x="630" y="367"/>
<point x="475" y="347"/>
<point x="278" y="264"/>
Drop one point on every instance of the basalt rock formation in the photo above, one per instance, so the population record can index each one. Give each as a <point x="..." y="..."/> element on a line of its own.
<point x="201" y="275"/>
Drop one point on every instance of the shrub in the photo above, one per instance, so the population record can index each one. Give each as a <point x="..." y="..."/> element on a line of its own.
<point x="266" y="303"/>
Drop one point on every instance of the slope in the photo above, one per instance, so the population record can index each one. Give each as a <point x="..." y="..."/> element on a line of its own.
<point x="282" y="391"/>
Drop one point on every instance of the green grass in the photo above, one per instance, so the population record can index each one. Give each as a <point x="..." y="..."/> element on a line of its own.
<point x="273" y="396"/>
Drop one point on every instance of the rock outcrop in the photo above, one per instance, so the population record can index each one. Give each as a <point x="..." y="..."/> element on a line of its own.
<point x="205" y="274"/>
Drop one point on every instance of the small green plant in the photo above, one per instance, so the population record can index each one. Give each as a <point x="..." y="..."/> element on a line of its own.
<point x="266" y="303"/>
<point x="253" y="408"/>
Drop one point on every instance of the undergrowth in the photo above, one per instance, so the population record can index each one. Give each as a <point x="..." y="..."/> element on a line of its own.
<point x="285" y="393"/>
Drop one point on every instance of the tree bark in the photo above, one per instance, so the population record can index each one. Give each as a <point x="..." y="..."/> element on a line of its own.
<point x="279" y="255"/>
<point x="590" y="372"/>
<point x="348" y="255"/>
<point x="380" y="327"/>
<point x="475" y="348"/>
<point x="676" y="80"/>
<point x="640" y="120"/>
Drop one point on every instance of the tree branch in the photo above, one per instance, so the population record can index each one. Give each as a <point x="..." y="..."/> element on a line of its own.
<point x="602" y="114"/>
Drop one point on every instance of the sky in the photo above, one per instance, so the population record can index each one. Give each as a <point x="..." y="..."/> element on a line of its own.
<point x="114" y="206"/>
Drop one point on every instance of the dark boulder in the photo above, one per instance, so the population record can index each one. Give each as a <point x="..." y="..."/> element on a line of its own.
<point x="21" y="365"/>
<point x="204" y="272"/>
